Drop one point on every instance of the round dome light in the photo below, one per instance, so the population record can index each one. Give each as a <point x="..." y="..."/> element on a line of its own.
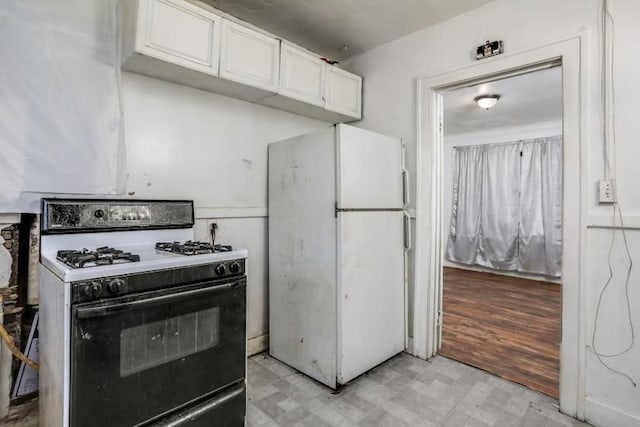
<point x="487" y="101"/>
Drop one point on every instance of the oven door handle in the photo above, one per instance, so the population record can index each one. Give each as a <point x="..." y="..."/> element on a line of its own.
<point x="102" y="311"/>
<point x="187" y="416"/>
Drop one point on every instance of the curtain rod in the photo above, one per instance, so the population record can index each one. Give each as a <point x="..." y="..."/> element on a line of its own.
<point x="519" y="141"/>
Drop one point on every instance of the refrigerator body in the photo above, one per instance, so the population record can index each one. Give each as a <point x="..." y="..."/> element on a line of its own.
<point x="336" y="252"/>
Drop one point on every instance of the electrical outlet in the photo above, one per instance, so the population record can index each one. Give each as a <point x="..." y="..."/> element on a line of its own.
<point x="606" y="192"/>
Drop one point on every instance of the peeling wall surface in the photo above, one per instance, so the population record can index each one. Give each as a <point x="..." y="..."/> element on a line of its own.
<point x="5" y="265"/>
<point x="390" y="73"/>
<point x="60" y="117"/>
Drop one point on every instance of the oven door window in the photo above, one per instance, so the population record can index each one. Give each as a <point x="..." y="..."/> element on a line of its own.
<point x="139" y="357"/>
<point x="154" y="344"/>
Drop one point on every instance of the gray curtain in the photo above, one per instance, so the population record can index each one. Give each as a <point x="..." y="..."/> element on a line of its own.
<point x="468" y="170"/>
<point x="506" y="211"/>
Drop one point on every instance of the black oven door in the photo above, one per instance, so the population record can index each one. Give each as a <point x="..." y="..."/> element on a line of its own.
<point x="139" y="357"/>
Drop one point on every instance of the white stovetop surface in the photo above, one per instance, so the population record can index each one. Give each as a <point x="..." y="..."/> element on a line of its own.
<point x="136" y="242"/>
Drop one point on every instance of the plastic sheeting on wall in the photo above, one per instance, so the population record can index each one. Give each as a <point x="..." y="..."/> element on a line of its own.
<point x="61" y="127"/>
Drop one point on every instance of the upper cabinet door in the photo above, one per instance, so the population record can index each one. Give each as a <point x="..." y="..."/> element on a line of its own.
<point x="302" y="75"/>
<point x="180" y="33"/>
<point x="344" y="92"/>
<point x="249" y="57"/>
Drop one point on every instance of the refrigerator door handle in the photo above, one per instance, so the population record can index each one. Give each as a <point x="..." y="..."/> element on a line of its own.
<point x="407" y="230"/>
<point x="405" y="187"/>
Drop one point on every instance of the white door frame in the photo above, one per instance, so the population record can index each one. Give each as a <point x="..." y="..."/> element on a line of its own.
<point x="427" y="300"/>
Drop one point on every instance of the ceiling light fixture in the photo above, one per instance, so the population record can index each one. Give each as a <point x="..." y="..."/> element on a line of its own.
<point x="487" y="101"/>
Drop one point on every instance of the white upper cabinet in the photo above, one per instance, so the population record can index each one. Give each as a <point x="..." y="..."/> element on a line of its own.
<point x="307" y="78"/>
<point x="344" y="92"/>
<point x="249" y="57"/>
<point x="302" y="75"/>
<point x="179" y="41"/>
<point x="178" y="32"/>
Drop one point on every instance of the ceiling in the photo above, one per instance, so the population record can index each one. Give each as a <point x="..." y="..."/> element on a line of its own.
<point x="525" y="99"/>
<point x="325" y="26"/>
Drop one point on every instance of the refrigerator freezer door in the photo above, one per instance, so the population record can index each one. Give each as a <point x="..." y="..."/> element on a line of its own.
<point x="302" y="255"/>
<point x="369" y="170"/>
<point x="370" y="290"/>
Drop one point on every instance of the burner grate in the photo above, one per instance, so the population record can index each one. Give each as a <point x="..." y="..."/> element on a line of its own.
<point x="101" y="256"/>
<point x="191" y="247"/>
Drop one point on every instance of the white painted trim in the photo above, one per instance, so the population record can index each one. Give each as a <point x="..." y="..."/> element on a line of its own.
<point x="605" y="221"/>
<point x="572" y="400"/>
<point x="6" y="219"/>
<point x="257" y="345"/>
<point x="208" y="213"/>
<point x="428" y="280"/>
<point x="600" y="414"/>
<point x="409" y="344"/>
<point x="66" y="409"/>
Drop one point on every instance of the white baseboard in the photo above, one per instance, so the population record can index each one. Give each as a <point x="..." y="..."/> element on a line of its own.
<point x="516" y="274"/>
<point x="257" y="345"/>
<point x="602" y="415"/>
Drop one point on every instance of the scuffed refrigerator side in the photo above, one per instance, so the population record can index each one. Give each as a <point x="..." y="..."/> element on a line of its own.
<point x="302" y="254"/>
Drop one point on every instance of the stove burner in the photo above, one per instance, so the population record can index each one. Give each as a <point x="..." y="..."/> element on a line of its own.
<point x="101" y="256"/>
<point x="191" y="248"/>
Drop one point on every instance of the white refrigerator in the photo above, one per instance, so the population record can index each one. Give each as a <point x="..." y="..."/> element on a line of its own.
<point x="338" y="234"/>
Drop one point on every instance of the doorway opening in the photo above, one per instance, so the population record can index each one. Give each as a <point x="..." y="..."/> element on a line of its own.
<point x="427" y="292"/>
<point x="502" y="227"/>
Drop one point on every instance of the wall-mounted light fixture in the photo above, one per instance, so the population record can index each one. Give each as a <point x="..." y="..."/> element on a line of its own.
<point x="487" y="101"/>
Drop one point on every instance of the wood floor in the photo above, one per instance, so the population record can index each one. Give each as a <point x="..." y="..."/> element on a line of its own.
<point x="507" y="326"/>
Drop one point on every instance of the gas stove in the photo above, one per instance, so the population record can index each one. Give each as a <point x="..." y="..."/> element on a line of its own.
<point x="129" y="298"/>
<point x="105" y="255"/>
<point x="90" y="255"/>
<point x="100" y="256"/>
<point x="192" y="248"/>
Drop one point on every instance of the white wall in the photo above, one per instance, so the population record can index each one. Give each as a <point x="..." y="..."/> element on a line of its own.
<point x="490" y="136"/>
<point x="60" y="117"/>
<point x="190" y="144"/>
<point x="390" y="73"/>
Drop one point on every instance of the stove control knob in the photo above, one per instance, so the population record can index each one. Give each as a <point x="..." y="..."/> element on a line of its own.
<point x="94" y="290"/>
<point x="99" y="213"/>
<point x="86" y="290"/>
<point x="234" y="267"/>
<point x="221" y="269"/>
<point x="115" y="286"/>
